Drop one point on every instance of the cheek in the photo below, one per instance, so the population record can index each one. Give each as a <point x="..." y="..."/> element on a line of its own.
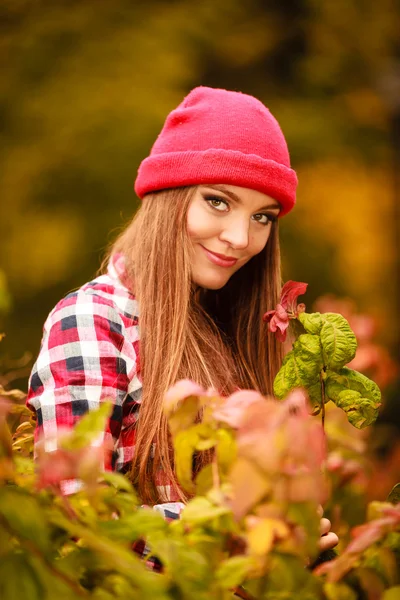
<point x="200" y="225"/>
<point x="258" y="242"/>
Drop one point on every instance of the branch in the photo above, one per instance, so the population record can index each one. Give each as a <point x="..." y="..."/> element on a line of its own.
<point x="241" y="593"/>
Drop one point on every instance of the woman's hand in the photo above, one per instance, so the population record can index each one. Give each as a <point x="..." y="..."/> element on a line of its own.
<point x="328" y="539"/>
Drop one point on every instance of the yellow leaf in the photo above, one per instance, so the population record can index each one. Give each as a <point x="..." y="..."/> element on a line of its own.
<point x="249" y="486"/>
<point x="263" y="534"/>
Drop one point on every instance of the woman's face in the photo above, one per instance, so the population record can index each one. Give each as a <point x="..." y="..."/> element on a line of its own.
<point x="228" y="225"/>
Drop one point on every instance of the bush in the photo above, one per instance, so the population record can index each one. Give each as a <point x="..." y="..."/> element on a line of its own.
<point x="251" y="527"/>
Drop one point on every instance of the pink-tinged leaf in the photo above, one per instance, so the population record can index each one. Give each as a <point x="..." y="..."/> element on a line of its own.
<point x="278" y="322"/>
<point x="366" y="535"/>
<point x="283" y="438"/>
<point x="290" y="292"/>
<point x="297" y="402"/>
<point x="278" y="319"/>
<point x="235" y="406"/>
<point x="249" y="485"/>
<point x="334" y="462"/>
<point x="54" y="467"/>
<point x="337" y="568"/>
<point x="268" y="316"/>
<point x="256" y="435"/>
<point x="307" y="487"/>
<point x="392" y="511"/>
<point x="180" y="391"/>
<point x="63" y="464"/>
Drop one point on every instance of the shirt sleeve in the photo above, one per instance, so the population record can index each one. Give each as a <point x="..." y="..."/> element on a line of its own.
<point x="85" y="358"/>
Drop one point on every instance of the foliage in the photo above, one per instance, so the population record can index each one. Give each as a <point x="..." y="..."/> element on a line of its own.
<point x="251" y="527"/>
<point x="372" y="358"/>
<point x="317" y="360"/>
<point x="252" y="521"/>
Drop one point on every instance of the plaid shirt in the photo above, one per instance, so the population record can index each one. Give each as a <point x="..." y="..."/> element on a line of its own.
<point x="90" y="353"/>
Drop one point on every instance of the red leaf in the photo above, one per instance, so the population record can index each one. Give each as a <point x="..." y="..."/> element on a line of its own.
<point x="367" y="534"/>
<point x="278" y="322"/>
<point x="278" y="319"/>
<point x="290" y="292"/>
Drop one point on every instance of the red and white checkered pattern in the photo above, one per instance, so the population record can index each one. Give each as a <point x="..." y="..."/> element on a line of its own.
<point x="89" y="354"/>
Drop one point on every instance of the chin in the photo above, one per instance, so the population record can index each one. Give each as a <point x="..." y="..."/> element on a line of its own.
<point x="211" y="283"/>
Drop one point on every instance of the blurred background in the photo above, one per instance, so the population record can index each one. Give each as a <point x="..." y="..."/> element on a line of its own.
<point x="85" y="88"/>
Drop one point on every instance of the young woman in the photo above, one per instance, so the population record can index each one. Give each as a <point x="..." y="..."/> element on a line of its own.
<point x="197" y="268"/>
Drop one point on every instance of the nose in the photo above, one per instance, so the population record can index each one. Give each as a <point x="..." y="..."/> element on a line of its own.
<point x="236" y="233"/>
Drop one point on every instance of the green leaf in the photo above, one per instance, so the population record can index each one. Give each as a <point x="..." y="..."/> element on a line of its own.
<point x="339" y="344"/>
<point x="289" y="580"/>
<point x="88" y="428"/>
<point x="339" y="591"/>
<point x="199" y="437"/>
<point x="18" y="579"/>
<point x="375" y="509"/>
<point x="226" y="449"/>
<point x="312" y="323"/>
<point x="392" y="593"/>
<point x="185" y="443"/>
<point x="113" y="586"/>
<point x="25" y="517"/>
<point x="301" y="367"/>
<point x="303" y="515"/>
<point x="315" y="396"/>
<point x="135" y="526"/>
<point x="286" y="378"/>
<point x="233" y="571"/>
<point x="185" y="415"/>
<point x="358" y="396"/>
<point x="200" y="510"/>
<point x="186" y="567"/>
<point x="118" y="481"/>
<point x="115" y="555"/>
<point x="394" y="496"/>
<point x="206" y="444"/>
<point x="308" y="358"/>
<point x="204" y="480"/>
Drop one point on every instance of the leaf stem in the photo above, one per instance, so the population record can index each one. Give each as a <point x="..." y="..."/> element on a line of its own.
<point x="322" y="381"/>
<point x="241" y="593"/>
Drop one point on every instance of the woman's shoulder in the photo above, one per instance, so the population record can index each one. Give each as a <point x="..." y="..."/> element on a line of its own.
<point x="105" y="296"/>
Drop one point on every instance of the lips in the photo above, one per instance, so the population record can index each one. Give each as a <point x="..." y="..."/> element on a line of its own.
<point x="219" y="259"/>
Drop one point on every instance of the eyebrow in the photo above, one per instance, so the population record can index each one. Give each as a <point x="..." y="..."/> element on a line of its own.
<point x="237" y="198"/>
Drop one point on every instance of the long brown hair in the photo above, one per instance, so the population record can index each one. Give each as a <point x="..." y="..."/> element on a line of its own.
<point x="215" y="338"/>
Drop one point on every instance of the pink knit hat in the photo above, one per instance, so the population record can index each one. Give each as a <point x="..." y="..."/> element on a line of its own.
<point x="218" y="136"/>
